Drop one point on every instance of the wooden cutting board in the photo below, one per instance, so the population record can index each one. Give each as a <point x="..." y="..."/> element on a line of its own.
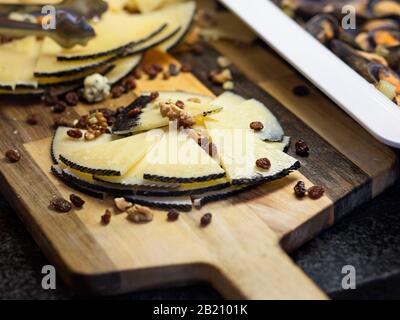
<point x="242" y="253"/>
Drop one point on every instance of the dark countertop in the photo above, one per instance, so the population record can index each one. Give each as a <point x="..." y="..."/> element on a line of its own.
<point x="368" y="239"/>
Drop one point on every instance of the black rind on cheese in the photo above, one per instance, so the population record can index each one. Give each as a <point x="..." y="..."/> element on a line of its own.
<point x="210" y="177"/>
<point x="153" y="192"/>
<point x="112" y="51"/>
<point x="101" y="172"/>
<point x="123" y="123"/>
<point x="69" y="183"/>
<point x="261" y="179"/>
<point x="160" y="205"/>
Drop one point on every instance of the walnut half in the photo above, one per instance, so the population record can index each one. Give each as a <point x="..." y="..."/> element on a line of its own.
<point x="175" y="113"/>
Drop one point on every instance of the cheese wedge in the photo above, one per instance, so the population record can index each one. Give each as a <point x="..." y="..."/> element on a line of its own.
<point x="123" y="67"/>
<point x="17" y="59"/>
<point x="48" y="65"/>
<point x="64" y="144"/>
<point x="151" y="118"/>
<point x="114" y="158"/>
<point x="238" y="151"/>
<point x="117" y="31"/>
<point x="239" y="116"/>
<point x="178" y="158"/>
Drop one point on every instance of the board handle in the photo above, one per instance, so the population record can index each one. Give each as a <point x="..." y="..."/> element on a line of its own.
<point x="251" y="265"/>
<point x="272" y="276"/>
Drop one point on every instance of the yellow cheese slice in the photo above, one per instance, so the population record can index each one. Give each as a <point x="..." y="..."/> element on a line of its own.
<point x="178" y="158"/>
<point x="17" y="59"/>
<point x="113" y="158"/>
<point x="238" y="151"/>
<point x="64" y="144"/>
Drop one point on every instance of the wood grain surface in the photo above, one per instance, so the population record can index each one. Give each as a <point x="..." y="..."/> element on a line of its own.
<point x="240" y="253"/>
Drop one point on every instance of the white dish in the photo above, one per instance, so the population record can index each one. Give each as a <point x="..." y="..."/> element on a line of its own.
<point x="360" y="99"/>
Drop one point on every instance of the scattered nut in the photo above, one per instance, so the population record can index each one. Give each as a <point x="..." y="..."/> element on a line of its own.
<point x="228" y="85"/>
<point x="60" y="205"/>
<point x="315" y="192"/>
<point x="139" y="214"/>
<point x="256" y="126"/>
<point x="122" y="204"/>
<point x="302" y="148"/>
<point x="106" y="217"/>
<point x="300" y="189"/>
<point x="172" y="215"/>
<point x="89" y="136"/>
<point x="76" y="200"/>
<point x="263" y="163"/>
<point x="75" y="133"/>
<point x="13" y="155"/>
<point x="174" y="113"/>
<point x="223" y="62"/>
<point x="206" y="219"/>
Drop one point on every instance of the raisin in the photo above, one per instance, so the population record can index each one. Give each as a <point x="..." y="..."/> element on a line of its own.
<point x="186" y="67"/>
<point x="173" y="69"/>
<point x="154" y="95"/>
<point x="129" y="83"/>
<point x="60" y="121"/>
<point x="106" y="217"/>
<point x="119" y="110"/>
<point x="300" y="189"/>
<point x="263" y="163"/>
<point x="166" y="75"/>
<point x="157" y="67"/>
<point x="316" y="192"/>
<point x="111" y="120"/>
<point x="82" y="122"/>
<point x="32" y="120"/>
<point x="75" y="133"/>
<point x="256" y="126"/>
<point x="198" y="49"/>
<point x="137" y="73"/>
<point x="180" y="104"/>
<point x="172" y="215"/>
<point x="117" y="91"/>
<point x="302" y="148"/>
<point x="76" y="200"/>
<point x="301" y="91"/>
<point x="59" y="107"/>
<point x="151" y="71"/>
<point x="212" y="149"/>
<point x="206" y="219"/>
<point x="60" y="205"/>
<point x="13" y="155"/>
<point x="49" y="99"/>
<point x="71" y="98"/>
<point x="134" y="112"/>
